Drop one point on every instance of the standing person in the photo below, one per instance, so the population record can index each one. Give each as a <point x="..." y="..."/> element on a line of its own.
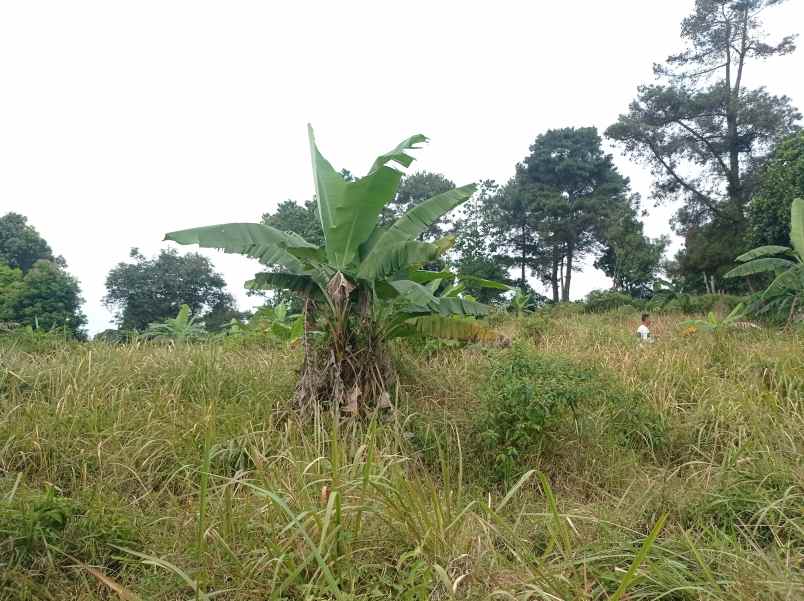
<point x="643" y="331"/>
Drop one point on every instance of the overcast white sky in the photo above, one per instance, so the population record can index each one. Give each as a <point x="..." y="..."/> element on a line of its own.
<point x="120" y="121"/>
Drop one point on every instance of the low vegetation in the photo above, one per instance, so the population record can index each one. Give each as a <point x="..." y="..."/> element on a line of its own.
<point x="577" y="464"/>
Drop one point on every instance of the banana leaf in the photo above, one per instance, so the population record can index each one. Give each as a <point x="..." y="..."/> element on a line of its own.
<point x="349" y="210"/>
<point x="760" y="266"/>
<point x="762" y="251"/>
<point x="262" y="242"/>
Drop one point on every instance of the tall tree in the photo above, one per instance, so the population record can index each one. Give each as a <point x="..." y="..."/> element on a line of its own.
<point x="20" y="244"/>
<point x="474" y="243"/>
<point x="35" y="288"/>
<point x="781" y="181"/>
<point x="569" y="185"/>
<point x="630" y="258"/>
<point x="152" y="290"/>
<point x="702" y="131"/>
<point x="49" y="298"/>
<point x="515" y="221"/>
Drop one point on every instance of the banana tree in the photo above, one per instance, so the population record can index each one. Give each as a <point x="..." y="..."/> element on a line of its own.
<point x="181" y="328"/>
<point x="365" y="285"/>
<point x="785" y="292"/>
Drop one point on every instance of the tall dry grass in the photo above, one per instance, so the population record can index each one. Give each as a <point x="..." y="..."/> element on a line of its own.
<point x="151" y="472"/>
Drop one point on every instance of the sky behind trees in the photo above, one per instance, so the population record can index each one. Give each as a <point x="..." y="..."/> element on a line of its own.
<point x="120" y="122"/>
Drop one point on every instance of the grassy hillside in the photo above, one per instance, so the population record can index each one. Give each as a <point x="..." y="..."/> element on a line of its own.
<point x="575" y="465"/>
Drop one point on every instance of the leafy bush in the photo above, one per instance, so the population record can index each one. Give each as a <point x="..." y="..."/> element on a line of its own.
<point x="567" y="309"/>
<point x="600" y="301"/>
<point x="535" y="326"/>
<point x="35" y="340"/>
<point x="705" y="303"/>
<point x="40" y="526"/>
<point x="182" y="328"/>
<point x="525" y="391"/>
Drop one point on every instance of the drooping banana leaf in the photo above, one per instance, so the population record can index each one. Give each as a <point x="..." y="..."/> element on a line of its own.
<point x="792" y="279"/>
<point x="422" y="276"/>
<point x="349" y="211"/>
<point x="438" y="326"/>
<point x="482" y="283"/>
<point x="797" y="227"/>
<point x="762" y="251"/>
<point x="461" y="306"/>
<point x="302" y="284"/>
<point x="396" y="258"/>
<point x="760" y="266"/>
<point x="453" y="290"/>
<point x="415" y="294"/>
<point x="267" y="244"/>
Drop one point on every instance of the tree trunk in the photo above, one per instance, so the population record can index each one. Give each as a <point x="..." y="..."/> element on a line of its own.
<point x="554" y="274"/>
<point x="524" y="255"/>
<point x="351" y="367"/>
<point x="567" y="275"/>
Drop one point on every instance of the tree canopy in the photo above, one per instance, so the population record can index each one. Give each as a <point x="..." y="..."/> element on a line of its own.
<point x="35" y="288"/>
<point x="21" y="246"/>
<point x="781" y="181"/>
<point x="703" y="132"/>
<point x="554" y="211"/>
<point x="152" y="290"/>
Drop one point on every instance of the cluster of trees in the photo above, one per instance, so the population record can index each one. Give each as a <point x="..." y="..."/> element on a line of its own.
<point x="146" y="291"/>
<point x="720" y="148"/>
<point x="730" y="156"/>
<point x="35" y="288"/>
<point x="567" y="201"/>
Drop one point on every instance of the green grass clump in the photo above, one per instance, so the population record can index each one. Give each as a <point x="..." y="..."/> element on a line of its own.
<point x="142" y="471"/>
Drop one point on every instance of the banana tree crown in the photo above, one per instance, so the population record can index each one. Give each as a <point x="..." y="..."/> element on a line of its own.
<point x="388" y="260"/>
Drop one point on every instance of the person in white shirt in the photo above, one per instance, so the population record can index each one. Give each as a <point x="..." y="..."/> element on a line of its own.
<point x="643" y="331"/>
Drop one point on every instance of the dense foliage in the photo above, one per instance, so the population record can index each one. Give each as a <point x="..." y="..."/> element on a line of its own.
<point x="147" y="291"/>
<point x="35" y="288"/>
<point x="781" y="181"/>
<point x="704" y="133"/>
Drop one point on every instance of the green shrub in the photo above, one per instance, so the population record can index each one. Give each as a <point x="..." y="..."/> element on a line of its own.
<point x="704" y="303"/>
<point x="568" y="309"/>
<point x="35" y="340"/>
<point x="535" y="326"/>
<point x="525" y="391"/>
<point x="43" y="527"/>
<point x="600" y="301"/>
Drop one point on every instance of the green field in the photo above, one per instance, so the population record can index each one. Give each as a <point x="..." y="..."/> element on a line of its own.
<point x="577" y="464"/>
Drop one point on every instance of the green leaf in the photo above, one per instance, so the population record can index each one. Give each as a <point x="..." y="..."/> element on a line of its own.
<point x="303" y="284"/>
<point x="398" y="154"/>
<point x="262" y="242"/>
<point x="791" y="280"/>
<point x="418" y="219"/>
<point x="349" y="211"/>
<point x="414" y="293"/>
<point x="461" y="306"/>
<point x="762" y="251"/>
<point x="396" y="258"/>
<point x="423" y="276"/>
<point x="453" y="290"/>
<point x="759" y="266"/>
<point x="438" y="326"/>
<point x="481" y="283"/>
<point x="797" y="227"/>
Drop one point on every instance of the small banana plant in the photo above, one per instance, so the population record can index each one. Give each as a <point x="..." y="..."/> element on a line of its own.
<point x="520" y="302"/>
<point x="182" y="328"/>
<point x="785" y="293"/>
<point x="715" y="325"/>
